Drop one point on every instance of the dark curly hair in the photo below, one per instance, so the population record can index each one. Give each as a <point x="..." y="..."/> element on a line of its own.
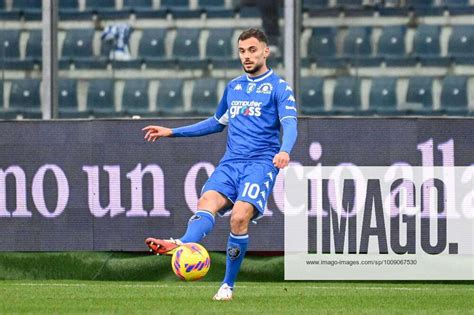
<point x="253" y="32"/>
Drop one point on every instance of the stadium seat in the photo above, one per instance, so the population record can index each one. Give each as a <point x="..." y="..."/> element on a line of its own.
<point x="135" y="97"/>
<point x="459" y="3"/>
<point x="34" y="48"/>
<point x="326" y="11"/>
<point x="88" y="63"/>
<point x="67" y="98"/>
<point x="419" y="99"/>
<point x="346" y="97"/>
<point x="186" y="44"/>
<point x="25" y="98"/>
<point x="219" y="43"/>
<point x="392" y="41"/>
<point x="67" y="94"/>
<point x="169" y="100"/>
<point x="96" y="5"/>
<point x="427" y="41"/>
<point x="26" y="4"/>
<point x="78" y="43"/>
<point x="419" y="3"/>
<point x="315" y="4"/>
<point x="69" y="4"/>
<point x="458" y="7"/>
<point x="152" y="43"/>
<point x="174" y="3"/>
<point x="105" y="9"/>
<point x="100" y="98"/>
<point x="461" y="41"/>
<point x="353" y="3"/>
<point x="454" y="95"/>
<point x="10" y="43"/>
<point x="12" y="15"/>
<point x="357" y="42"/>
<point x="424" y="7"/>
<point x="69" y="10"/>
<point x="322" y="42"/>
<point x="225" y="63"/>
<point x="211" y="3"/>
<point x="138" y="4"/>
<point x="180" y="9"/>
<point x="4" y="113"/>
<point x="204" y="98"/>
<point x="312" y="100"/>
<point x="383" y="96"/>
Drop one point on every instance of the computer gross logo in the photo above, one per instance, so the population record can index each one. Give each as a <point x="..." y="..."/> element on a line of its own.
<point x="245" y="108"/>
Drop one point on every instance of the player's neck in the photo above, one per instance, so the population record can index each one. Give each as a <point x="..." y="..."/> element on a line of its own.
<point x="262" y="70"/>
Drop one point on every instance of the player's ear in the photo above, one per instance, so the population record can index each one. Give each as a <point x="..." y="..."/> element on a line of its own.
<point x="266" y="51"/>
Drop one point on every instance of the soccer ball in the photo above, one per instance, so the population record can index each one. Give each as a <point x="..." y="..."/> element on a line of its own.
<point x="191" y="262"/>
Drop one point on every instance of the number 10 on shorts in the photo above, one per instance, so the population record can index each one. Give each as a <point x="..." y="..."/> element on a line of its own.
<point x="251" y="190"/>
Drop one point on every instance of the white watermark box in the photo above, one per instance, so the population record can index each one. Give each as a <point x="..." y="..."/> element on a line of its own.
<point x="379" y="223"/>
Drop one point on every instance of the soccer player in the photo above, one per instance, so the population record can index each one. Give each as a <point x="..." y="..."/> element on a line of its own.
<point x="255" y="106"/>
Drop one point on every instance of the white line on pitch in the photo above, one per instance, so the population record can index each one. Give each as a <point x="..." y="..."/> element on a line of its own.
<point x="241" y="286"/>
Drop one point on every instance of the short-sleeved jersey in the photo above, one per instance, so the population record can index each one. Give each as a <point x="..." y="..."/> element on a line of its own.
<point x="253" y="109"/>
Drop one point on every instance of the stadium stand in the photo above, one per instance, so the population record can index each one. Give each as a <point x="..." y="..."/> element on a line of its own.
<point x="414" y="56"/>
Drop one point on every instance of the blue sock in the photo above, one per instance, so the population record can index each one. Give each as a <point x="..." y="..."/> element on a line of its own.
<point x="199" y="226"/>
<point x="236" y="248"/>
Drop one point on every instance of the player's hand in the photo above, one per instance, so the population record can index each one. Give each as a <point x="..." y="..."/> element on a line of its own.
<point x="281" y="160"/>
<point x="154" y="133"/>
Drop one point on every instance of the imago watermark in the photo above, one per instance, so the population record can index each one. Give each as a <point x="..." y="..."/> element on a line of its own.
<point x="386" y="223"/>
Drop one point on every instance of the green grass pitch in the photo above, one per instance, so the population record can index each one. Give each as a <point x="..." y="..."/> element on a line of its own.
<point x="64" y="283"/>
<point x="176" y="297"/>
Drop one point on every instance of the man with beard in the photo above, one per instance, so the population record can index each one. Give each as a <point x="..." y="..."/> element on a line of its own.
<point x="255" y="106"/>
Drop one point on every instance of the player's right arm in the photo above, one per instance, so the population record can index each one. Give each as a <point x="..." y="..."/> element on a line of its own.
<point x="213" y="124"/>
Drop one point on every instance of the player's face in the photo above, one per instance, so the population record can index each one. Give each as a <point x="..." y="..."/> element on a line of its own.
<point x="253" y="55"/>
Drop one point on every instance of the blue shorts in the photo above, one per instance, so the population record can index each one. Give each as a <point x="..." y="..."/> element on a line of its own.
<point x="251" y="182"/>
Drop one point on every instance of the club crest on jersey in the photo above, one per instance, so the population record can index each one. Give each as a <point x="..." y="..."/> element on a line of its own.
<point x="238" y="87"/>
<point x="251" y="87"/>
<point x="265" y="88"/>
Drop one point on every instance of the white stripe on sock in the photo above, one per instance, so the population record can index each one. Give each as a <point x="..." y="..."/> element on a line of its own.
<point x="239" y="237"/>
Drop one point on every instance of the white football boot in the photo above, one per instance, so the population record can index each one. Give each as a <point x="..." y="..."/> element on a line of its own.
<point x="224" y="293"/>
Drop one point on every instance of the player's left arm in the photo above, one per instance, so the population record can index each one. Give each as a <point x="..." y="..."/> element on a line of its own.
<point x="287" y="112"/>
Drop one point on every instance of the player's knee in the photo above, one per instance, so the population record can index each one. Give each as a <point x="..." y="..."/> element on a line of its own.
<point x="208" y="203"/>
<point x="239" y="223"/>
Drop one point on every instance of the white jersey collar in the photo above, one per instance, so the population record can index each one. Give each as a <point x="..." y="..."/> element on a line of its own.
<point x="261" y="77"/>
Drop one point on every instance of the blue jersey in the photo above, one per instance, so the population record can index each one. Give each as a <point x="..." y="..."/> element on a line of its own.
<point x="253" y="109"/>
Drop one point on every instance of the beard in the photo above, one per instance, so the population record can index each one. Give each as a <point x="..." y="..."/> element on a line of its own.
<point x="254" y="69"/>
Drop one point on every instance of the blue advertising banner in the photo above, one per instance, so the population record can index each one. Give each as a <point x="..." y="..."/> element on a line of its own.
<point x="97" y="185"/>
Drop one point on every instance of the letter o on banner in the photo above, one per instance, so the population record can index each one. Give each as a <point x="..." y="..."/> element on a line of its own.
<point x="38" y="191"/>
